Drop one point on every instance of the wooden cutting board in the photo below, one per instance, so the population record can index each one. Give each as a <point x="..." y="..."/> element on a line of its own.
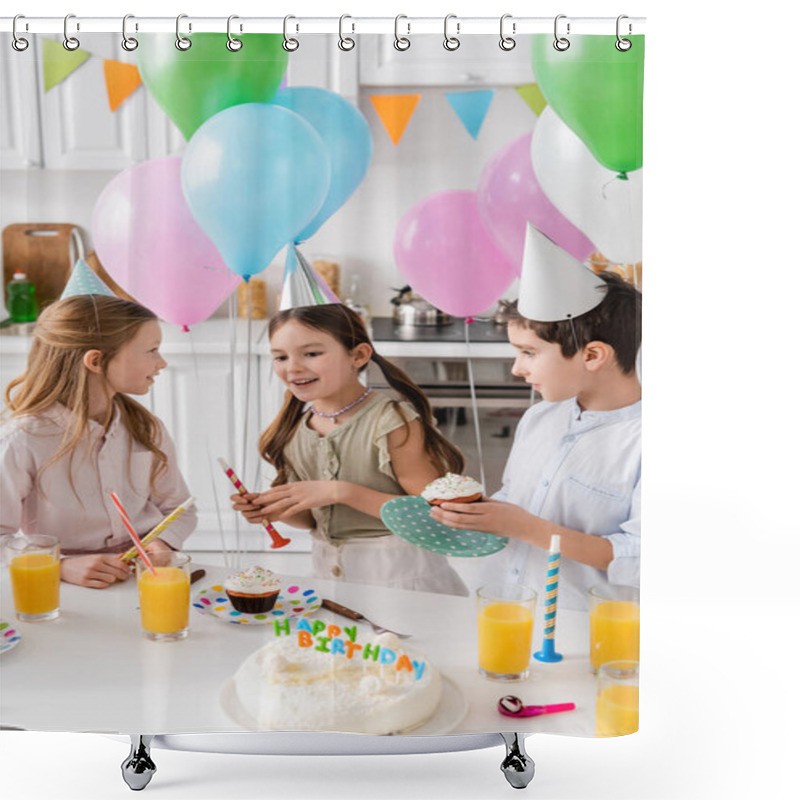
<point x="42" y="251"/>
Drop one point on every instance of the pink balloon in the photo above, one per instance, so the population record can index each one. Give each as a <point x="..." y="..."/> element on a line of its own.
<point x="445" y="253"/>
<point x="148" y="241"/>
<point x="509" y="196"/>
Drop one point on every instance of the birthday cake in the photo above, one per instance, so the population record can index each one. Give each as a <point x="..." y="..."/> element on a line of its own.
<point x="320" y="678"/>
<point x="452" y="488"/>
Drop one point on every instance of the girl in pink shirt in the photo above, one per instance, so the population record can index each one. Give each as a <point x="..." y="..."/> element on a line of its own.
<point x="73" y="435"/>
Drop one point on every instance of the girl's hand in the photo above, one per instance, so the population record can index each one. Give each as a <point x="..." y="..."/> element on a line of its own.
<point x="97" y="571"/>
<point x="294" y="498"/>
<point x="249" y="506"/>
<point x="487" y="516"/>
<point x="160" y="552"/>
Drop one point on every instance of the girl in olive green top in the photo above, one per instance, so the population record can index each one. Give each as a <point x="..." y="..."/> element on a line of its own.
<point x="341" y="451"/>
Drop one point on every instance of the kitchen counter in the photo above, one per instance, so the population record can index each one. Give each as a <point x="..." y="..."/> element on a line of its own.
<point x="219" y="336"/>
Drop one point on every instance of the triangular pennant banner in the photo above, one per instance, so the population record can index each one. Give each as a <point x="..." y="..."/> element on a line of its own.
<point x="122" y="80"/>
<point x="59" y="62"/>
<point x="532" y="95"/>
<point x="395" y="111"/>
<point x="471" y="108"/>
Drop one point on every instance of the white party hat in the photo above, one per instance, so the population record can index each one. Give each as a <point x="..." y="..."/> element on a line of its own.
<point x="302" y="285"/>
<point x="554" y="285"/>
<point x="83" y="280"/>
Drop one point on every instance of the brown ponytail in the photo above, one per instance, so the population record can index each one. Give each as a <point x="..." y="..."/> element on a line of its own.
<point x="344" y="325"/>
<point x="445" y="455"/>
<point x="272" y="444"/>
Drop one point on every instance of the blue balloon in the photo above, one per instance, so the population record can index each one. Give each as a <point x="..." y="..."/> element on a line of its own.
<point x="254" y="176"/>
<point x="347" y="138"/>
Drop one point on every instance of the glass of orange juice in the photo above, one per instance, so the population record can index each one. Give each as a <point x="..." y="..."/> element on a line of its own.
<point x="618" y="698"/>
<point x="164" y="597"/>
<point x="35" y="570"/>
<point x="505" y="630"/>
<point x="613" y="624"/>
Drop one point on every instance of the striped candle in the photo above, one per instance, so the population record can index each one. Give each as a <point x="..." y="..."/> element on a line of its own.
<point x="277" y="539"/>
<point x="548" y="652"/>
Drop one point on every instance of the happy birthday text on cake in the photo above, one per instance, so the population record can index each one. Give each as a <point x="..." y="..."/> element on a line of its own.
<point x="309" y="634"/>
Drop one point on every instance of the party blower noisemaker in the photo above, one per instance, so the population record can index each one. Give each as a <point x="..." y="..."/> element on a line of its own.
<point x="277" y="539"/>
<point x="548" y="651"/>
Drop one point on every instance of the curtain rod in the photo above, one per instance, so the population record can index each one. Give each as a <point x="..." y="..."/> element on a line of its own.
<point x="298" y="24"/>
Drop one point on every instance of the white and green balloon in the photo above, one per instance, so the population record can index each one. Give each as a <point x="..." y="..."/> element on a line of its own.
<point x="605" y="205"/>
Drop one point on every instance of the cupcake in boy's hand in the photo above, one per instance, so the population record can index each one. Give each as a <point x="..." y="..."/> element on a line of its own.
<point x="452" y="488"/>
<point x="253" y="591"/>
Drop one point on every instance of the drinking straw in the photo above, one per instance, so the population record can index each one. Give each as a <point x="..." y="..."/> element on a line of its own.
<point x="159" y="529"/>
<point x="548" y="651"/>
<point x="277" y="539"/>
<point x="127" y="523"/>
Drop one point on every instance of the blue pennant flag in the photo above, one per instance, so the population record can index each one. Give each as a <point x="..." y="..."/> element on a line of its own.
<point x="471" y="108"/>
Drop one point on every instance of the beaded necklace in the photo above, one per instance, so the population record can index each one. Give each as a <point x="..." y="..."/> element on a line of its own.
<point x="334" y="414"/>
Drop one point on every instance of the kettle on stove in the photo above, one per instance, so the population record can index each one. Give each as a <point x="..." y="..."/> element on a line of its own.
<point x="411" y="310"/>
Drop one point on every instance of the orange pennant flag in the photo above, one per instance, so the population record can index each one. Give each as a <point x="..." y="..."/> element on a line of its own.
<point x="122" y="80"/>
<point x="395" y="111"/>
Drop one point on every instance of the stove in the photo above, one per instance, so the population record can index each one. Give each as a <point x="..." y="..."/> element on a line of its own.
<point x="385" y="329"/>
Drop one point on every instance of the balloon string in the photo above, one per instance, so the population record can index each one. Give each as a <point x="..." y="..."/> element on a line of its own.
<point x="474" y="399"/>
<point x="248" y="371"/>
<point x="200" y="395"/>
<point x="231" y="423"/>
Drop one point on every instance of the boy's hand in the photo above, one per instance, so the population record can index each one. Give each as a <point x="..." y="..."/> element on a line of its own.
<point x="487" y="516"/>
<point x="94" y="571"/>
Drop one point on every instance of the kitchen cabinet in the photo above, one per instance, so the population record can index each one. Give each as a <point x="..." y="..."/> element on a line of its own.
<point x="474" y="64"/>
<point x="20" y="140"/>
<point x="71" y="126"/>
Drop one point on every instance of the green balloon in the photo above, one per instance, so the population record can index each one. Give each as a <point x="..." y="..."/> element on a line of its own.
<point x="597" y="91"/>
<point x="193" y="85"/>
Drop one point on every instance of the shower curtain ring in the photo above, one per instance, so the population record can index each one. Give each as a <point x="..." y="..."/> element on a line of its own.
<point x="623" y="45"/>
<point x="70" y="42"/>
<point x="451" y="42"/>
<point x="233" y="44"/>
<point x="19" y="43"/>
<point x="182" y="42"/>
<point x="507" y="42"/>
<point x="560" y="42"/>
<point x="401" y="43"/>
<point x="290" y="44"/>
<point x="346" y="43"/>
<point x="129" y="43"/>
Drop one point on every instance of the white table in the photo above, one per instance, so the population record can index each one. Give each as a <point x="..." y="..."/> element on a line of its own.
<point x="92" y="671"/>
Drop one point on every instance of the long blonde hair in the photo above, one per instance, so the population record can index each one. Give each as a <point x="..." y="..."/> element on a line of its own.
<point x="64" y="332"/>
<point x="348" y="329"/>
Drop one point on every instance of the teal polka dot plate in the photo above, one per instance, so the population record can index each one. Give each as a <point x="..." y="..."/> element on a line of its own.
<point x="410" y="519"/>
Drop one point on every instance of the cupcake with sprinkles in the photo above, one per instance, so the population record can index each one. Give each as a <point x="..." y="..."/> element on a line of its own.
<point x="452" y="488"/>
<point x="253" y="591"/>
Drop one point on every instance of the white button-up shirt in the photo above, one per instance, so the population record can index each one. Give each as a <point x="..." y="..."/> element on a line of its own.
<point x="84" y="518"/>
<point x="582" y="470"/>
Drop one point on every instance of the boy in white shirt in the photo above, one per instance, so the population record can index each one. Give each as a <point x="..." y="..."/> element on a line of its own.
<point x="575" y="466"/>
